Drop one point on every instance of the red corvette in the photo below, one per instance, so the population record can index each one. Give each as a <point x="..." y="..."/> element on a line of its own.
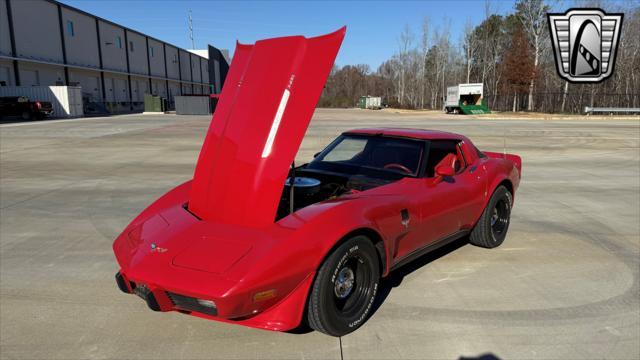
<point x="255" y="241"/>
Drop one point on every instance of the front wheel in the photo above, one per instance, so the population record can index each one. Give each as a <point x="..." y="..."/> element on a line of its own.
<point x="491" y="229"/>
<point x="345" y="288"/>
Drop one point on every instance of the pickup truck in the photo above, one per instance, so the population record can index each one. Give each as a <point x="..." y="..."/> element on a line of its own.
<point x="24" y="108"/>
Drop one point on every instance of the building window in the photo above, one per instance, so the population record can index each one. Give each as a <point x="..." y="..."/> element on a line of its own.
<point x="119" y="42"/>
<point x="130" y="45"/>
<point x="70" y="28"/>
<point x="151" y="49"/>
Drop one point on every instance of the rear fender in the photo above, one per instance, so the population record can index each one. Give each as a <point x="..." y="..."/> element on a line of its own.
<point x="514" y="159"/>
<point x="509" y="174"/>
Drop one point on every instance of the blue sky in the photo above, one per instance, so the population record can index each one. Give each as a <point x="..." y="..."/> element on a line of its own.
<point x="373" y="27"/>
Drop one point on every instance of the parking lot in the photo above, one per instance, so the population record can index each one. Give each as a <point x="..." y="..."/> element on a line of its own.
<point x="565" y="284"/>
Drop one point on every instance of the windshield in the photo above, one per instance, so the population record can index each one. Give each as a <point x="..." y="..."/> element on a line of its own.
<point x="361" y="154"/>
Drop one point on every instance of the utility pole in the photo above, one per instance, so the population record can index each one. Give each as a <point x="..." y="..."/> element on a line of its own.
<point x="193" y="44"/>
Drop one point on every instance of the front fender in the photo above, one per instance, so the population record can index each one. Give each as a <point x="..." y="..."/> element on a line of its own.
<point x="304" y="239"/>
<point x="322" y="226"/>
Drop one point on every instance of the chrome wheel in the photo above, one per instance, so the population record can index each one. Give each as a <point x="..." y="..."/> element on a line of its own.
<point x="344" y="283"/>
<point x="345" y="287"/>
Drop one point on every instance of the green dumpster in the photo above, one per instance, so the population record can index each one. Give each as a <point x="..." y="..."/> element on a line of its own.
<point x="154" y="103"/>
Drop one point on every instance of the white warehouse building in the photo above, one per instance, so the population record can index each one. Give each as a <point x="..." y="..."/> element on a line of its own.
<point x="44" y="42"/>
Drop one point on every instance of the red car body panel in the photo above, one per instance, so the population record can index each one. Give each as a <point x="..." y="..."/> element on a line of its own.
<point x="216" y="238"/>
<point x="264" y="110"/>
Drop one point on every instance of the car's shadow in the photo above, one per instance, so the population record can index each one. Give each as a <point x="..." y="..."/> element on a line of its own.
<point x="396" y="277"/>
<point x="487" y="356"/>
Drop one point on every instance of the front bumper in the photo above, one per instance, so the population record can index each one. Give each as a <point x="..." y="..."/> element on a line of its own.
<point x="284" y="315"/>
<point x="129" y="287"/>
<point x="156" y="299"/>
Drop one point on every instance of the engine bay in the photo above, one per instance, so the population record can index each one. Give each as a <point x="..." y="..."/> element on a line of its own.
<point x="314" y="186"/>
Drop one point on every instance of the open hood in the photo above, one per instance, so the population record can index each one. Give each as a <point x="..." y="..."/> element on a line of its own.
<point x="263" y="112"/>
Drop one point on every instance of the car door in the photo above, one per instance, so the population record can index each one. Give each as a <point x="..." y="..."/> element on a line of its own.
<point x="430" y="209"/>
<point x="446" y="204"/>
<point x="423" y="215"/>
<point x="470" y="182"/>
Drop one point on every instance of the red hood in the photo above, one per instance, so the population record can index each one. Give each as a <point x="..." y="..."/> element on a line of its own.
<point x="263" y="113"/>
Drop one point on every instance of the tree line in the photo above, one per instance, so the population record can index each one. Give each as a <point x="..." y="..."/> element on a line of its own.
<point x="510" y="54"/>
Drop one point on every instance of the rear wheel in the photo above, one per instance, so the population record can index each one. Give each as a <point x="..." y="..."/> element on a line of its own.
<point x="491" y="229"/>
<point x="345" y="288"/>
<point x="25" y="115"/>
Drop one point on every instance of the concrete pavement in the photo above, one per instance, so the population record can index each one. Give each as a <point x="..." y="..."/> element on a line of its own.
<point x="563" y="285"/>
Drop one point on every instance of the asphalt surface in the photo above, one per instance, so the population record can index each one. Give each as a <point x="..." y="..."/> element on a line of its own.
<point x="565" y="284"/>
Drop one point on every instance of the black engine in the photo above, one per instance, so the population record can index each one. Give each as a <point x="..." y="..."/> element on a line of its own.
<point x="310" y="187"/>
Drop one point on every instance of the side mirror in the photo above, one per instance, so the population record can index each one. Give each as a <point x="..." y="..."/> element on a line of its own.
<point x="444" y="170"/>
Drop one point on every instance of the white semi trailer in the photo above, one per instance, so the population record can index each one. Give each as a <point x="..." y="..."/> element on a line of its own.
<point x="370" y="102"/>
<point x="465" y="98"/>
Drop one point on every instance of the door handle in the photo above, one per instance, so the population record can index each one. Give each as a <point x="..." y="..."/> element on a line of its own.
<point x="472" y="169"/>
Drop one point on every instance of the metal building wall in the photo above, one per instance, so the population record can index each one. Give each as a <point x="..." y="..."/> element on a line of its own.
<point x="173" y="62"/>
<point x="195" y="68"/>
<point x="90" y="81"/>
<point x="34" y="74"/>
<point x="5" y="37"/>
<point x="156" y="58"/>
<point x="80" y="39"/>
<point x="6" y="73"/>
<point x="185" y="65"/>
<point x="41" y="42"/>
<point x="78" y="48"/>
<point x="137" y="47"/>
<point x="114" y="56"/>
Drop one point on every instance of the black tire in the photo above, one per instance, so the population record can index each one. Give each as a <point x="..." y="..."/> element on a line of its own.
<point x="25" y="115"/>
<point x="337" y="309"/>
<point x="491" y="229"/>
